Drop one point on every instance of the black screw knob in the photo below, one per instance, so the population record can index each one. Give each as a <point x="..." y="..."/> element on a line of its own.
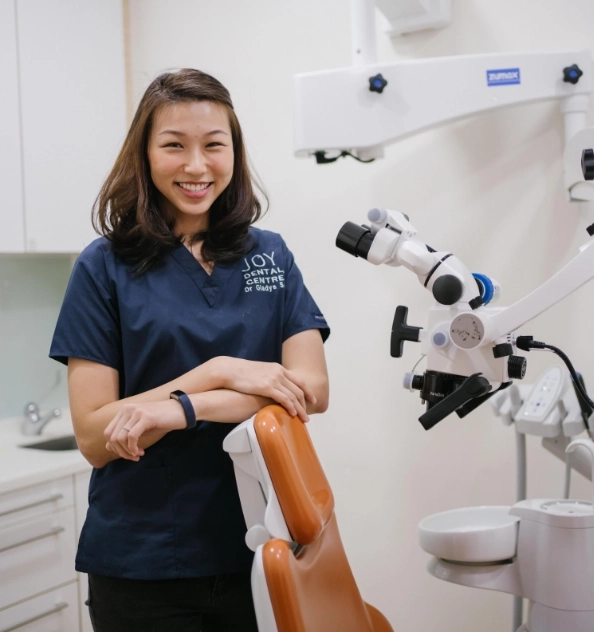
<point x="502" y="350"/>
<point x="588" y="164"/>
<point x="572" y="74"/>
<point x="516" y="367"/>
<point x="418" y="382"/>
<point x="447" y="289"/>
<point x="377" y="83"/>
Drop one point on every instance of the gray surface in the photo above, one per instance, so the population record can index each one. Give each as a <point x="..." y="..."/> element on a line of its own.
<point x="31" y="291"/>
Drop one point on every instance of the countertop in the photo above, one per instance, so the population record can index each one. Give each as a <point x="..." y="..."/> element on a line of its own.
<point x="21" y="467"/>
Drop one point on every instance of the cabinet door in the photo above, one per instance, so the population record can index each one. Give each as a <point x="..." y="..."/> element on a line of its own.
<point x="56" y="611"/>
<point x="12" y="229"/>
<point x="36" y="555"/>
<point x="71" y="57"/>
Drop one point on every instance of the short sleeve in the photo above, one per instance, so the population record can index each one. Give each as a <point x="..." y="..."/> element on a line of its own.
<point x="300" y="310"/>
<point x="88" y="323"/>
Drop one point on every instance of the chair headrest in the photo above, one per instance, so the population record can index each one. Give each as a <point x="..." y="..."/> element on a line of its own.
<point x="301" y="486"/>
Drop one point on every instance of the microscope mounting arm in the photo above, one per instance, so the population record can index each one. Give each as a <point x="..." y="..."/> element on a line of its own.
<point x="360" y="109"/>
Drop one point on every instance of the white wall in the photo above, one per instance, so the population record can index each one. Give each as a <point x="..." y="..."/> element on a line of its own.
<point x="489" y="188"/>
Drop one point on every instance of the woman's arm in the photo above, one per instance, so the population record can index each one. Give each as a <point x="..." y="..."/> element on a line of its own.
<point x="303" y="356"/>
<point x="98" y="415"/>
<point x="94" y="402"/>
<point x="303" y="360"/>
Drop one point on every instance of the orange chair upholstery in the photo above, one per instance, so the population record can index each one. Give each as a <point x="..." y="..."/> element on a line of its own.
<point x="311" y="588"/>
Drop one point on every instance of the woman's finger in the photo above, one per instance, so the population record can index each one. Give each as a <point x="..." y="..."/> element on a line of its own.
<point x="302" y="385"/>
<point x="119" y="437"/>
<point x="291" y="404"/>
<point x="133" y="435"/>
<point x="111" y="426"/>
<point x="117" y="448"/>
<point x="296" y="391"/>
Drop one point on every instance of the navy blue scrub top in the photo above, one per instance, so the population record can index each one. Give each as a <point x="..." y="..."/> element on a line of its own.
<point x="175" y="513"/>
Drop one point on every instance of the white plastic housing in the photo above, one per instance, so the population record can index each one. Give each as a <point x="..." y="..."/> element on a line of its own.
<point x="470" y="534"/>
<point x="542" y="413"/>
<point x="408" y="16"/>
<point x="552" y="566"/>
<point x="335" y="110"/>
<point x="263" y="515"/>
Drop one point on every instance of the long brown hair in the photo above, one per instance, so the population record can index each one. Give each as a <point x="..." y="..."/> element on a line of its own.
<point x="127" y="210"/>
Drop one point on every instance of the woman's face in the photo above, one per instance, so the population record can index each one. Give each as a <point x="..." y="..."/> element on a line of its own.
<point x="190" y="154"/>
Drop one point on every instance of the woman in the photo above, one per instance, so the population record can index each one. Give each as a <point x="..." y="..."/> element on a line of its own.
<point x="181" y="312"/>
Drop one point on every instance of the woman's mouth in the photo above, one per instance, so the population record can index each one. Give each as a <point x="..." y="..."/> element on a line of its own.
<point x="194" y="190"/>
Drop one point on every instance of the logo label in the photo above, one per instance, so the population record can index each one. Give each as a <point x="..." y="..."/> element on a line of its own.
<point x="503" y="77"/>
<point x="262" y="273"/>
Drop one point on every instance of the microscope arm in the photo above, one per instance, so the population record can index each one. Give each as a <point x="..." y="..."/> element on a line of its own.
<point x="577" y="272"/>
<point x="338" y="109"/>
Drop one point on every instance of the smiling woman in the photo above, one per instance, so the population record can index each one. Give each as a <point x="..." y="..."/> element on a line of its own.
<point x="170" y="341"/>
<point x="185" y="122"/>
<point x="190" y="152"/>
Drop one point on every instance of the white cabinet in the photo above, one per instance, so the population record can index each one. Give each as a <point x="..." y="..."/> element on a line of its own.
<point x="68" y="57"/>
<point x="12" y="222"/>
<point x="55" y="611"/>
<point x="36" y="555"/>
<point x="39" y="527"/>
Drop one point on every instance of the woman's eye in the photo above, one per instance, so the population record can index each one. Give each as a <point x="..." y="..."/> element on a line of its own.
<point x="172" y="145"/>
<point x="215" y="144"/>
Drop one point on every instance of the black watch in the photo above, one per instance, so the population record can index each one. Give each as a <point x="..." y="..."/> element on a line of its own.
<point x="184" y="400"/>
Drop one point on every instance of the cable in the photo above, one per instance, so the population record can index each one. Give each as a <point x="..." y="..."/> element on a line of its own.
<point x="322" y="159"/>
<point x="527" y="342"/>
<point x="418" y="362"/>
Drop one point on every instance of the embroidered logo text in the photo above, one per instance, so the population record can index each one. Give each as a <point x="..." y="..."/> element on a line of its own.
<point x="262" y="274"/>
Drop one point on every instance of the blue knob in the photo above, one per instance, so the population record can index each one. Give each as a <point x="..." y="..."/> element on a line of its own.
<point x="572" y="74"/>
<point x="377" y="83"/>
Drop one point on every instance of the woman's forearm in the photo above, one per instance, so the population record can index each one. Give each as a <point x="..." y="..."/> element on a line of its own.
<point x="91" y="417"/>
<point x="226" y="406"/>
<point x="223" y="406"/>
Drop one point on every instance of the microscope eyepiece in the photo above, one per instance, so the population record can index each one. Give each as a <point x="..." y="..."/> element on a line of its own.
<point x="355" y="239"/>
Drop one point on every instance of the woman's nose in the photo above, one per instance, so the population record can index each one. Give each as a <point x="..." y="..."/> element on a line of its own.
<point x="196" y="162"/>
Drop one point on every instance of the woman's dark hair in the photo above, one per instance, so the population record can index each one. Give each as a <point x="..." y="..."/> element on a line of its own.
<point x="127" y="210"/>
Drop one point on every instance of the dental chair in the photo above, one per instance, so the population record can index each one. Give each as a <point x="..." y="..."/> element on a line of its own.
<point x="301" y="578"/>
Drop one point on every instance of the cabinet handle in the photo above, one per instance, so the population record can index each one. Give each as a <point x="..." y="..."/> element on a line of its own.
<point x="53" y="531"/>
<point x="49" y="499"/>
<point x="56" y="608"/>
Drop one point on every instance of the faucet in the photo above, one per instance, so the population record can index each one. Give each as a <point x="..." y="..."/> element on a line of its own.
<point x="33" y="423"/>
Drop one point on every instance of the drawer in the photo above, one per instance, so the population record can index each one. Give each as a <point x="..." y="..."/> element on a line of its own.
<point x="55" y="611"/>
<point x="37" y="500"/>
<point x="36" y="556"/>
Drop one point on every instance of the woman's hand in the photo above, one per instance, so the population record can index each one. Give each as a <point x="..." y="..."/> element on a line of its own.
<point x="134" y="420"/>
<point x="267" y="379"/>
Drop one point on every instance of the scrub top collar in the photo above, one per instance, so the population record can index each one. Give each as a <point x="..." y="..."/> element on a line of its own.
<point x="209" y="284"/>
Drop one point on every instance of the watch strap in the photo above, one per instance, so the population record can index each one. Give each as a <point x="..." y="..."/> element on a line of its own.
<point x="184" y="400"/>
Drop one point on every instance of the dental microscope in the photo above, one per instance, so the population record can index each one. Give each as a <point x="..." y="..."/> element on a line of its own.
<point x="471" y="347"/>
<point x="538" y="549"/>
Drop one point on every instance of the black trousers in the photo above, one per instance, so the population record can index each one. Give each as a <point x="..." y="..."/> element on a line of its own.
<point x="222" y="603"/>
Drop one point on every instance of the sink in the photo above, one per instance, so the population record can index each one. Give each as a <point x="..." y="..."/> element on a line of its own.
<point x="55" y="445"/>
<point x="472" y="534"/>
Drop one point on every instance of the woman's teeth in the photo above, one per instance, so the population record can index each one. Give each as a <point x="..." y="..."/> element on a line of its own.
<point x="193" y="187"/>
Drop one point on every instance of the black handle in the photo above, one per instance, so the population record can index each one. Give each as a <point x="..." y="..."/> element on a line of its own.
<point x="472" y="387"/>
<point x="402" y="332"/>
